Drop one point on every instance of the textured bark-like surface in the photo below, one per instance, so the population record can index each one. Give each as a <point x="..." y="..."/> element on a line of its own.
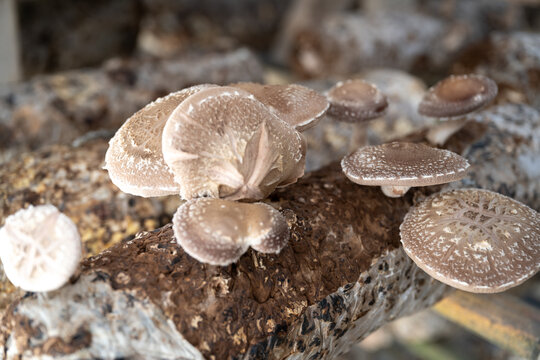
<point x="342" y="275"/>
<point x="72" y="179"/>
<point x="58" y="108"/>
<point x="61" y="34"/>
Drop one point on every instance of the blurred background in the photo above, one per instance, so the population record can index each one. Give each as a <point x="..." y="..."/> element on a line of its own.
<point x="75" y="70"/>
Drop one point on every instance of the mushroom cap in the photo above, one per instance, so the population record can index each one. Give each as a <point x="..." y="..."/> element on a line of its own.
<point x="458" y="95"/>
<point x="218" y="232"/>
<point x="403" y="164"/>
<point x="223" y="142"/>
<point x="297" y="105"/>
<point x="134" y="159"/>
<point x="474" y="240"/>
<point x="40" y="248"/>
<point x="356" y="101"/>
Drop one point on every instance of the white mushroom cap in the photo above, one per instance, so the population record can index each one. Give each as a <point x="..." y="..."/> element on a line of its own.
<point x="222" y="142"/>
<point x="403" y="164"/>
<point x="134" y="158"/>
<point x="472" y="239"/>
<point x="458" y="95"/>
<point x="356" y="101"/>
<point x="40" y="248"/>
<point x="218" y="232"/>
<point x="299" y="106"/>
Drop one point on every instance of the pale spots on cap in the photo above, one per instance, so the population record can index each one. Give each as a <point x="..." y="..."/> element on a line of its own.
<point x="40" y="248"/>
<point x="230" y="146"/>
<point x="403" y="164"/>
<point x="218" y="232"/>
<point x="458" y="95"/>
<point x="134" y="159"/>
<point x="299" y="106"/>
<point x="356" y="101"/>
<point x="473" y="239"/>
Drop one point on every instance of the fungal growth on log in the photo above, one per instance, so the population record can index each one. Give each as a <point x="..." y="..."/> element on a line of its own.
<point x="397" y="166"/>
<point x="299" y="106"/>
<point x="134" y="158"/>
<point x="218" y="232"/>
<point x="452" y="98"/>
<point x="40" y="248"/>
<point x="472" y="239"/>
<point x="222" y="142"/>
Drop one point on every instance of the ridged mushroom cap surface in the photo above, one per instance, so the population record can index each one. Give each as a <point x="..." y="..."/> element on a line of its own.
<point x="134" y="158"/>
<point x="218" y="232"/>
<point x="40" y="248"/>
<point x="458" y="95"/>
<point x="474" y="240"/>
<point x="297" y="105"/>
<point x="224" y="143"/>
<point x="403" y="164"/>
<point x="356" y="101"/>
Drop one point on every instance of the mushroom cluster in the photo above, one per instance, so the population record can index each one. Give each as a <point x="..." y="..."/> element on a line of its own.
<point x="232" y="143"/>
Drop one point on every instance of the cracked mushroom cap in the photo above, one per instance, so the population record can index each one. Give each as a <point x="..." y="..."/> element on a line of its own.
<point x="458" y="95"/>
<point x="218" y="232"/>
<point x="40" y="248"/>
<point x="356" y="101"/>
<point x="474" y="240"/>
<point x="403" y="164"/>
<point x="134" y="159"/>
<point x="223" y="142"/>
<point x="299" y="106"/>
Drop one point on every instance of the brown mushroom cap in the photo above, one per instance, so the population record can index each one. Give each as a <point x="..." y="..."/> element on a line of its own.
<point x="472" y="239"/>
<point x="356" y="101"/>
<point x="403" y="164"/>
<point x="134" y="158"/>
<point x="222" y="142"/>
<point x="299" y="106"/>
<point x="458" y="95"/>
<point x="218" y="232"/>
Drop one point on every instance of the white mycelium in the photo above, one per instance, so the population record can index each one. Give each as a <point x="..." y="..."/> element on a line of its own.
<point x="40" y="248"/>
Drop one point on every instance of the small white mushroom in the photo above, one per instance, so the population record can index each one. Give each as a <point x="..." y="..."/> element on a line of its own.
<point x="218" y="232"/>
<point x="299" y="106"/>
<point x="398" y="166"/>
<point x="134" y="159"/>
<point x="40" y="248"/>
<point x="223" y="142"/>
<point x="472" y="239"/>
<point x="356" y="101"/>
<point x="453" y="97"/>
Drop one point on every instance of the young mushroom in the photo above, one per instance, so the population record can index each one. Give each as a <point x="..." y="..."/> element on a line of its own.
<point x="452" y="98"/>
<point x="356" y="101"/>
<point x="218" y="232"/>
<point x="223" y="142"/>
<point x="40" y="248"/>
<point x="472" y="239"/>
<point x="134" y="159"/>
<point x="397" y="166"/>
<point x="299" y="106"/>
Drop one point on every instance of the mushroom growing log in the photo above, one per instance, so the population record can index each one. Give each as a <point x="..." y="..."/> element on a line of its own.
<point x="341" y="276"/>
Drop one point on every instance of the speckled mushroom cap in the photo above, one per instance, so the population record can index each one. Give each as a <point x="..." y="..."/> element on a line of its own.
<point x="472" y="239"/>
<point x="218" y="232"/>
<point x="299" y="106"/>
<point x="403" y="164"/>
<point x="134" y="159"/>
<point x="223" y="142"/>
<point x="356" y="101"/>
<point x="40" y="248"/>
<point x="458" y="95"/>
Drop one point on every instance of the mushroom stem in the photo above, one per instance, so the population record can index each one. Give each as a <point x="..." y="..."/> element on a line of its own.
<point x="394" y="191"/>
<point x="359" y="136"/>
<point x="441" y="132"/>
